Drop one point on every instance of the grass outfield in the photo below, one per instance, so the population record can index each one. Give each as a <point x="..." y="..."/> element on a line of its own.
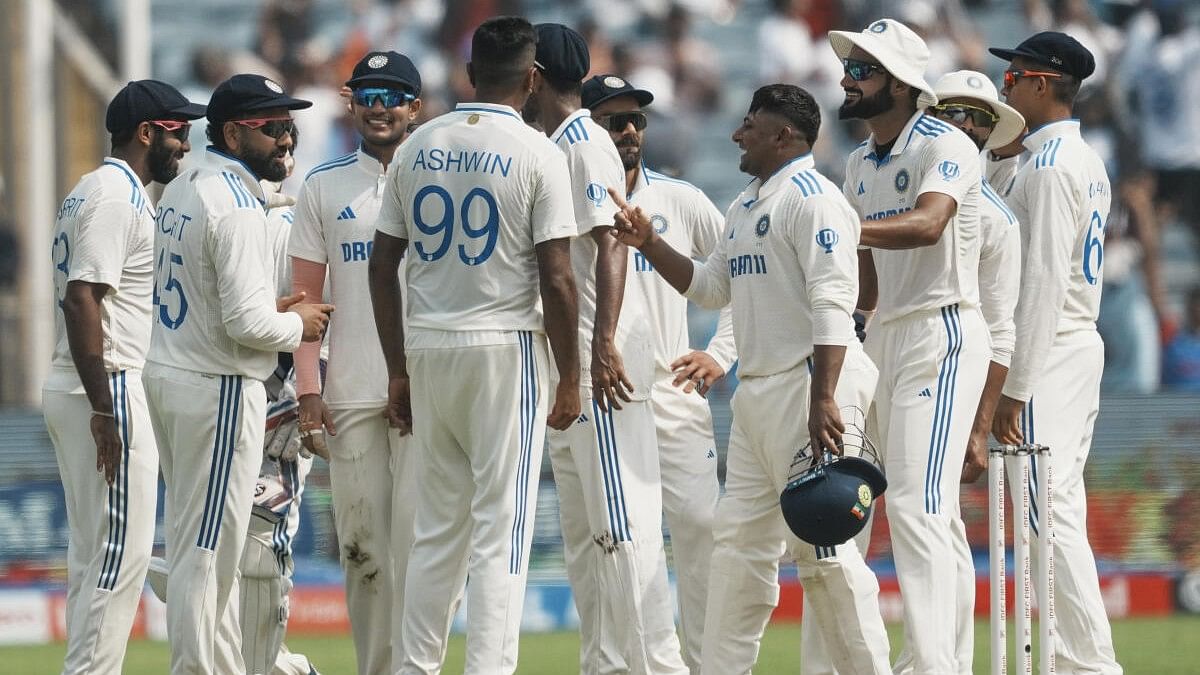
<point x="1161" y="646"/>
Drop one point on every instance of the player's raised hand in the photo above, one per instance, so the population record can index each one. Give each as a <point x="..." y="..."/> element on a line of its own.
<point x="399" y="405"/>
<point x="631" y="226"/>
<point x="315" y="421"/>
<point x="825" y="426"/>
<point x="108" y="446"/>
<point x="1006" y="425"/>
<point x="316" y="318"/>
<point x="567" y="406"/>
<point x="610" y="385"/>
<point x="696" y="371"/>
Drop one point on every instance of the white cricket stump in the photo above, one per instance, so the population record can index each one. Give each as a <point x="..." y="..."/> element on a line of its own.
<point x="1015" y="461"/>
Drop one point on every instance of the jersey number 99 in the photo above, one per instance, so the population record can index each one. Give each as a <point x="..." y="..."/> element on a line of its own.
<point x="170" y="287"/>
<point x="478" y="202"/>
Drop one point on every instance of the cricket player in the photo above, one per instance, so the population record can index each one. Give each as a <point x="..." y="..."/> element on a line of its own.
<point x="92" y="399"/>
<point x="687" y="455"/>
<point x="606" y="466"/>
<point x="369" y="469"/>
<point x="787" y="267"/>
<point x="485" y="203"/>
<point x="915" y="183"/>
<point x="216" y="334"/>
<point x="1061" y="196"/>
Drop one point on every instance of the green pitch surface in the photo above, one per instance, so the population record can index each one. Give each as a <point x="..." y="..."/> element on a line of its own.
<point x="1161" y="646"/>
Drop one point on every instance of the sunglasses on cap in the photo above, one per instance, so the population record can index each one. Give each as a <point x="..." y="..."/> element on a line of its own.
<point x="860" y="70"/>
<point x="958" y="113"/>
<point x="1011" y="76"/>
<point x="390" y="98"/>
<point x="275" y="127"/>
<point x="176" y="128"/>
<point x="617" y="122"/>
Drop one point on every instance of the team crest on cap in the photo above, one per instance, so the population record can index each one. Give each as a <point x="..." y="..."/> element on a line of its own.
<point x="878" y="27"/>
<point x="827" y="239"/>
<point x="974" y="82"/>
<point x="864" y="495"/>
<point x="948" y="170"/>
<point x="614" y="82"/>
<point x="763" y="225"/>
<point x="377" y="61"/>
<point x="902" y="180"/>
<point x="272" y="85"/>
<point x="596" y="194"/>
<point x="659" y="222"/>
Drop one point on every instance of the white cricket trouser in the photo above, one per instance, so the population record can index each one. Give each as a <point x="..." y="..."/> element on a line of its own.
<point x="687" y="459"/>
<point x="373" y="506"/>
<point x="770" y="424"/>
<point x="112" y="528"/>
<point x="932" y="367"/>
<point x="814" y="657"/>
<point x="606" y="471"/>
<point x="479" y="416"/>
<point x="210" y="438"/>
<point x="1061" y="415"/>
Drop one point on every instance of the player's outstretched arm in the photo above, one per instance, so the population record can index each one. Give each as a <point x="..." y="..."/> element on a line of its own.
<point x="922" y="226"/>
<point x="388" y="307"/>
<point x="560" y="307"/>
<point x="633" y="228"/>
<point x="81" y="310"/>
<point x="825" y="426"/>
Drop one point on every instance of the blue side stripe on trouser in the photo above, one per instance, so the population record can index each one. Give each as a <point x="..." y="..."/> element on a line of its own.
<point x="118" y="492"/>
<point x="527" y="416"/>
<point x="1027" y="432"/>
<point x="939" y="435"/>
<point x="224" y="443"/>
<point x="618" y="519"/>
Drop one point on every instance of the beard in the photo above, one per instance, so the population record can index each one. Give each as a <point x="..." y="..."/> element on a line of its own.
<point x="867" y="107"/>
<point x="268" y="165"/>
<point x="631" y="154"/>
<point x="163" y="161"/>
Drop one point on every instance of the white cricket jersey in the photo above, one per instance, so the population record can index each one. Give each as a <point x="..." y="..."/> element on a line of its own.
<point x="788" y="265"/>
<point x="1061" y="198"/>
<point x="1000" y="173"/>
<point x="473" y="192"/>
<point x="214" y="285"/>
<point x="999" y="271"/>
<point x="595" y="166"/>
<point x="928" y="156"/>
<point x="336" y="214"/>
<point x="104" y="234"/>
<point x="685" y="218"/>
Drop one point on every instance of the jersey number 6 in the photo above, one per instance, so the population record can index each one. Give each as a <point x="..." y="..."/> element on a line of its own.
<point x="1093" y="249"/>
<point x="486" y="211"/>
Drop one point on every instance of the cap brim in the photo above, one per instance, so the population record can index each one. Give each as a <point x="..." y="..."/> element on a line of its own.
<point x="281" y="102"/>
<point x="641" y="96"/>
<point x="363" y="79"/>
<point x="843" y="41"/>
<point x="191" y="111"/>
<point x="1010" y="54"/>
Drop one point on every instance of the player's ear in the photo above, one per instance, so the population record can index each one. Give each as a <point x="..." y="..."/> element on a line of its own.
<point x="414" y="108"/>
<point x="232" y="138"/>
<point x="144" y="133"/>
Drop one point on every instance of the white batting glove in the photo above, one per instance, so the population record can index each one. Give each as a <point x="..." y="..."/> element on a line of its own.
<point x="283" y="441"/>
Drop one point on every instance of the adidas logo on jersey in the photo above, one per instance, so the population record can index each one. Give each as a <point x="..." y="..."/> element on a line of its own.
<point x="925" y="393"/>
<point x="346" y="214"/>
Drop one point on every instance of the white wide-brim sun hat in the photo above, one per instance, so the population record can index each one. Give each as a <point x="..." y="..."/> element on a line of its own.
<point x="897" y="48"/>
<point x="971" y="84"/>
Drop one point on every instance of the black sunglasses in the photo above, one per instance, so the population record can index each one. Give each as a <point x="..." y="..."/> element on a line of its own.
<point x="275" y="127"/>
<point x="617" y="122"/>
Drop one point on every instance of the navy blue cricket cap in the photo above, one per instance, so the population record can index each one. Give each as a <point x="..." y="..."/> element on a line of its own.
<point x="248" y="93"/>
<point x="1059" y="51"/>
<point x="562" y="53"/>
<point x="386" y="67"/>
<point x="145" y="100"/>
<point x="601" y="88"/>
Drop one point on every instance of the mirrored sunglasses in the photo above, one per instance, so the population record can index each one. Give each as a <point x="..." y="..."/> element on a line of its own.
<point x="275" y="127"/>
<point x="390" y="98"/>
<point x="617" y="122"/>
<point x="860" y="70"/>
<point x="179" y="129"/>
<point x="958" y="113"/>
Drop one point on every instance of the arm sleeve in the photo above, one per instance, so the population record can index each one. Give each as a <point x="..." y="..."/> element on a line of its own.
<point x="307" y="240"/>
<point x="592" y="172"/>
<point x="706" y="224"/>
<point x="710" y="279"/>
<point x="101" y="243"/>
<point x="308" y="276"/>
<point x="949" y="165"/>
<point x="824" y="238"/>
<point x="722" y="347"/>
<point x="240" y="258"/>
<point x="392" y="218"/>
<point x="1044" y="278"/>
<point x="553" y="213"/>
<point x="999" y="285"/>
